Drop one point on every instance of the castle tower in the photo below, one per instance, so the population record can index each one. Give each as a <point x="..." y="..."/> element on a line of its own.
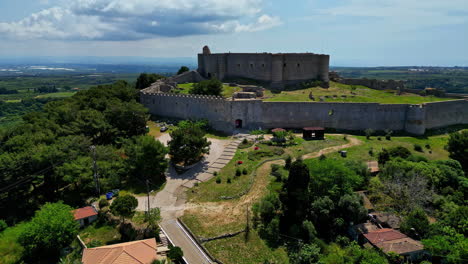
<point x="206" y="50"/>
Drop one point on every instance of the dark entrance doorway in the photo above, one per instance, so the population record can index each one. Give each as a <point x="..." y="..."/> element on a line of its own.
<point x="238" y="123"/>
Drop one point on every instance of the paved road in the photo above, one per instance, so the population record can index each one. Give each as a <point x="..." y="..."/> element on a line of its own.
<point x="171" y="200"/>
<point x="176" y="233"/>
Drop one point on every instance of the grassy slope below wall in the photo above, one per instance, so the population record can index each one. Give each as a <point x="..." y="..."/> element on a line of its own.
<point x="360" y="95"/>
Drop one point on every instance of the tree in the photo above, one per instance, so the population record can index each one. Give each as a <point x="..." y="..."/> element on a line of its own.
<point x="296" y="198"/>
<point x="457" y="146"/>
<point x="446" y="243"/>
<point x="146" y="79"/>
<point x="175" y="254"/>
<point x="182" y="70"/>
<point x="307" y="254"/>
<point x="188" y="144"/>
<point x="52" y="228"/>
<point x="208" y="87"/>
<point x="124" y="206"/>
<point x="147" y="158"/>
<point x="415" y="224"/>
<point x="369" y="132"/>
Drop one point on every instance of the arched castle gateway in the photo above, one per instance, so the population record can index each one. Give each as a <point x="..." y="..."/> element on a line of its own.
<point x="275" y="69"/>
<point x="228" y="114"/>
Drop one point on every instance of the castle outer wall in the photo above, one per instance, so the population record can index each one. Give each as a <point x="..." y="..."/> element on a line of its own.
<point x="254" y="114"/>
<point x="278" y="70"/>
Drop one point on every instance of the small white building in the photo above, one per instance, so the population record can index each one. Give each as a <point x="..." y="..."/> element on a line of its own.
<point x="85" y="215"/>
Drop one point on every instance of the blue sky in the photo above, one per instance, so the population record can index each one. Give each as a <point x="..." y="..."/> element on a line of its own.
<point x="353" y="32"/>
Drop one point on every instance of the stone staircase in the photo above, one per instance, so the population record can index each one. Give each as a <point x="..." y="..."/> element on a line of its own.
<point x="218" y="164"/>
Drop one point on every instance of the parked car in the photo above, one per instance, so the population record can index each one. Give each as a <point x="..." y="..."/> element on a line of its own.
<point x="163" y="129"/>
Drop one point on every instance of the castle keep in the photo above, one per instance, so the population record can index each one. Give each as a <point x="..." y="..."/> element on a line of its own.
<point x="276" y="69"/>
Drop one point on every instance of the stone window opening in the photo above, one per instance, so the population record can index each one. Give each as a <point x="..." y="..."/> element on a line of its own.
<point x="298" y="65"/>
<point x="251" y="65"/>
<point x="238" y="65"/>
<point x="284" y="65"/>
<point x="263" y="65"/>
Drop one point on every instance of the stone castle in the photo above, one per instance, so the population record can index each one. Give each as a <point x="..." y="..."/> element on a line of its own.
<point x="231" y="114"/>
<point x="276" y="69"/>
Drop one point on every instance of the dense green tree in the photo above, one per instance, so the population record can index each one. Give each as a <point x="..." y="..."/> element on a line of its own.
<point x="394" y="152"/>
<point x="51" y="229"/>
<point x="447" y="244"/>
<point x="415" y="224"/>
<point x="175" y="254"/>
<point x="352" y="254"/>
<point x="147" y="158"/>
<point x="146" y="79"/>
<point x="306" y="254"/>
<point x="296" y="195"/>
<point x="457" y="146"/>
<point x="124" y="206"/>
<point x="332" y="178"/>
<point x="188" y="143"/>
<point x="208" y="87"/>
<point x="182" y="70"/>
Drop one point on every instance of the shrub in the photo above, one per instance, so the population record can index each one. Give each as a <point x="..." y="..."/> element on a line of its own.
<point x="244" y="171"/>
<point x="345" y="137"/>
<point x="371" y="152"/>
<point x="288" y="161"/>
<point x="215" y="173"/>
<point x="3" y="225"/>
<point x="428" y="146"/>
<point x="388" y="134"/>
<point x="229" y="180"/>
<point x="379" y="138"/>
<point x="103" y="203"/>
<point x="418" y="147"/>
<point x="369" y="132"/>
<point x="245" y="141"/>
<point x="196" y="184"/>
<point x="275" y="167"/>
<point x="238" y="172"/>
<point x="218" y="180"/>
<point x="322" y="157"/>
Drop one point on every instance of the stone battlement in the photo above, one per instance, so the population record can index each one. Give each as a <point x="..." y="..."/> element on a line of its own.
<point x="174" y="95"/>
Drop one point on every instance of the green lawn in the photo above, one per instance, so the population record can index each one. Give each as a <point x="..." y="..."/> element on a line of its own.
<point x="228" y="91"/>
<point x="361" y="95"/>
<point x="305" y="146"/>
<point x="105" y="234"/>
<point x="212" y="191"/>
<point x="361" y="152"/>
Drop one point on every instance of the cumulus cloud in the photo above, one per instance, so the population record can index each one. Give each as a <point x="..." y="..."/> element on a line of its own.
<point x="412" y="14"/>
<point x="140" y="19"/>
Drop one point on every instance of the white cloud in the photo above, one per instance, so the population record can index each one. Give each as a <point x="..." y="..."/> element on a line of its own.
<point x="409" y="14"/>
<point x="140" y="19"/>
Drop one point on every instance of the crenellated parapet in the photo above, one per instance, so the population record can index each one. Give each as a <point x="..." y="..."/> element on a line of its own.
<point x="184" y="96"/>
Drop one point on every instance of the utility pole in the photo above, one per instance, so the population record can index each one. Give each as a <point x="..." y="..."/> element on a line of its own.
<point x="148" y="196"/>
<point x="95" y="174"/>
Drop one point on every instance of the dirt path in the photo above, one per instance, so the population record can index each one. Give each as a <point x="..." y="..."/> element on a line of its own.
<point x="352" y="142"/>
<point x="230" y="211"/>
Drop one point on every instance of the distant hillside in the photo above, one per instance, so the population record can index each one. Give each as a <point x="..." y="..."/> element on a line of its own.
<point x="452" y="79"/>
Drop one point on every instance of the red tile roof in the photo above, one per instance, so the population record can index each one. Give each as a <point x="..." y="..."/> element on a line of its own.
<point x="134" y="252"/>
<point x="84" y="212"/>
<point x="383" y="235"/>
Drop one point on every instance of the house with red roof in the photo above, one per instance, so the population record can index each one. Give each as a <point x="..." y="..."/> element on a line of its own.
<point x="390" y="240"/>
<point x="85" y="215"/>
<point x="134" y="252"/>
